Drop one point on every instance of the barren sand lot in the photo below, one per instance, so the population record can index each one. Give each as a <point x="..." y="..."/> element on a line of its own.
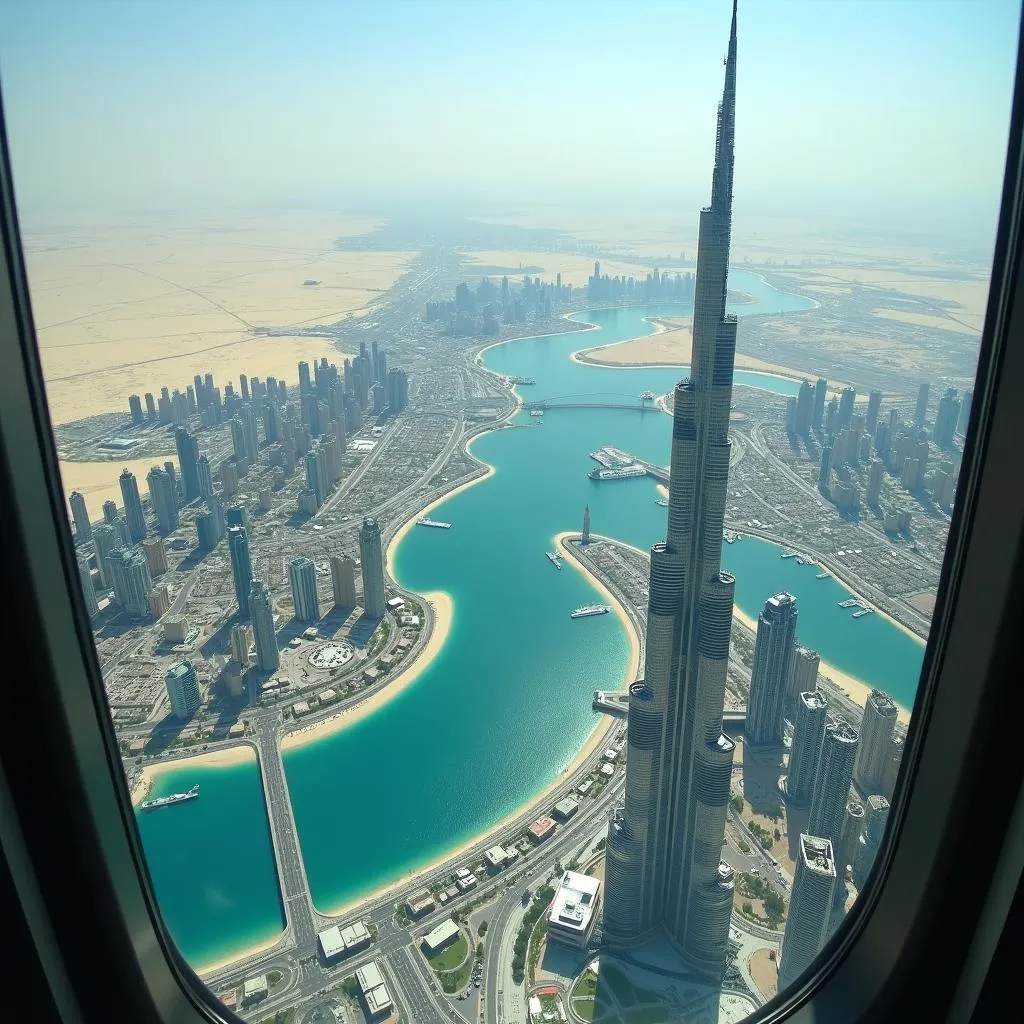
<point x="575" y="269"/>
<point x="136" y="306"/>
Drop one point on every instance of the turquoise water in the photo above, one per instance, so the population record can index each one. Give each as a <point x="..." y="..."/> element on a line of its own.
<point x="506" y="704"/>
<point x="212" y="863"/>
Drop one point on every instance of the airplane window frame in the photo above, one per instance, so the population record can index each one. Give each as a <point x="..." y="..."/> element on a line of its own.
<point x="95" y="869"/>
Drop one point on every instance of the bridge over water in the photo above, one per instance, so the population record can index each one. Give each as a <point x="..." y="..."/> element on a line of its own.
<point x="597" y="400"/>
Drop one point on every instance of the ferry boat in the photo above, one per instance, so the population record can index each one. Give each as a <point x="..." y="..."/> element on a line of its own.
<point x="537" y="413"/>
<point x="850" y="602"/>
<point x="788" y="554"/>
<point x="435" y="523"/>
<point x="554" y="558"/>
<point x="586" y="610"/>
<point x="619" y="473"/>
<point x="166" y="801"/>
<point x="863" y="612"/>
<point x="661" y="501"/>
<point x="822" y="576"/>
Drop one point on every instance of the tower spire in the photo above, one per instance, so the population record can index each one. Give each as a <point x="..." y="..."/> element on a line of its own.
<point x="721" y="185"/>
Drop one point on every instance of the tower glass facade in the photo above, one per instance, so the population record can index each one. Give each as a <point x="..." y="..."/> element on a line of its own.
<point x="769" y="676"/>
<point x="80" y="515"/>
<point x="832" y="782"/>
<point x="875" y="748"/>
<point x="810" y="908"/>
<point x="241" y="567"/>
<point x="262" y="611"/>
<point x="664" y="869"/>
<point x="133" y="506"/>
<point x="372" y="558"/>
<point x="302" y="575"/>
<point x="808" y="732"/>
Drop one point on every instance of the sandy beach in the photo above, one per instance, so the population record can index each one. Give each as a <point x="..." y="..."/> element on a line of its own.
<point x="242" y="954"/>
<point x="443" y="607"/>
<point x="596" y="739"/>
<point x="225" y="758"/>
<point x="562" y="541"/>
<point x="854" y="688"/>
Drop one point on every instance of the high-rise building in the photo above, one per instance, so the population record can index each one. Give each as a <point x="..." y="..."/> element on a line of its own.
<point x="847" y="398"/>
<point x="159" y="602"/>
<point x="238" y="441"/>
<point x="188" y="460"/>
<point x="241" y="567"/>
<point x="216" y="506"/>
<point x="769" y="674"/>
<point x="398" y="390"/>
<point x="135" y="408"/>
<point x="372" y="558"/>
<point x="875" y="748"/>
<point x="315" y="476"/>
<point x="88" y="589"/>
<point x="804" y="408"/>
<point x="182" y="684"/>
<point x="808" y="731"/>
<point x="241" y="637"/>
<point x="876" y="817"/>
<point x="946" y="418"/>
<point x="302" y="575"/>
<point x="874" y="405"/>
<point x="343" y="580"/>
<point x="156" y="555"/>
<point x="875" y="475"/>
<point x="267" y="656"/>
<point x="110" y="512"/>
<point x="133" y="506"/>
<point x="206" y="531"/>
<point x="123" y="533"/>
<point x="162" y="500"/>
<point x="585" y="536"/>
<point x="663" y="868"/>
<point x="832" y="782"/>
<point x="204" y="477"/>
<point x="892" y="767"/>
<point x="965" y="412"/>
<point x="803" y="671"/>
<point x="252" y="436"/>
<point x="820" y="394"/>
<point x="104" y="539"/>
<point x="921" y="408"/>
<point x="80" y="516"/>
<point x="825" y="469"/>
<point x="130" y="580"/>
<point x="810" y="907"/>
<point x="853" y="827"/>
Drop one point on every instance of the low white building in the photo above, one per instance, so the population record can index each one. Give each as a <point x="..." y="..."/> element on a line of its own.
<point x="495" y="858"/>
<point x="374" y="989"/>
<point x="395" y="604"/>
<point x="439" y="937"/>
<point x="337" y="941"/>
<point x="255" y="989"/>
<point x="573" y="911"/>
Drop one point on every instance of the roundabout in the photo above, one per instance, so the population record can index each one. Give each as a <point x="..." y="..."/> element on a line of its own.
<point x="332" y="655"/>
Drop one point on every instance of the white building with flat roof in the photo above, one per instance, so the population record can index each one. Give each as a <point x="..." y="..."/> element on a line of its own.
<point x="255" y="989"/>
<point x="331" y="943"/>
<point x="439" y="937"/>
<point x="337" y="941"/>
<point x="573" y="911"/>
<point x="495" y="858"/>
<point x="374" y="989"/>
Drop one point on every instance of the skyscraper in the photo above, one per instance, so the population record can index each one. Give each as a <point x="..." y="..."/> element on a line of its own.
<point x="810" y="907"/>
<point x="769" y="675"/>
<point x="252" y="442"/>
<point x="820" y="394"/>
<point x="808" y="731"/>
<point x="104" y="540"/>
<point x="832" y="782"/>
<point x="162" y="501"/>
<point x="874" y="404"/>
<point x="110" y="512"/>
<point x="853" y="826"/>
<point x="876" y="817"/>
<point x="804" y="408"/>
<point x="156" y="555"/>
<point x="585" y="536"/>
<point x="80" y="515"/>
<point x="847" y="398"/>
<point x="343" y="581"/>
<point x="204" y="477"/>
<point x="188" y="461"/>
<point x="803" y="671"/>
<point x="663" y="868"/>
<point x="241" y="636"/>
<point x="965" y="412"/>
<point x="133" y="506"/>
<point x="875" y="748"/>
<point x="183" y="688"/>
<point x="921" y="408"/>
<point x="302" y="576"/>
<point x="135" y="408"/>
<point x="267" y="657"/>
<point x="825" y="469"/>
<point x="88" y="590"/>
<point x="946" y="417"/>
<point x="130" y="579"/>
<point x="241" y="567"/>
<point x="372" y="558"/>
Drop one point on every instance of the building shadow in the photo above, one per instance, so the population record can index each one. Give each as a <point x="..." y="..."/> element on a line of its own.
<point x="762" y="767"/>
<point x="219" y="642"/>
<point x="166" y="732"/>
<point x="363" y="629"/>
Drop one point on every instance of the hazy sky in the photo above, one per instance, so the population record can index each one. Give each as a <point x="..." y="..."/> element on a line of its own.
<point x="843" y="105"/>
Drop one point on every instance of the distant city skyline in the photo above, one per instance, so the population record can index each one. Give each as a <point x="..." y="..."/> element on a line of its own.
<point x="921" y="92"/>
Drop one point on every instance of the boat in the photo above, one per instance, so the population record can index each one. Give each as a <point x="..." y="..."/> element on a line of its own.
<point x="661" y="501"/>
<point x="646" y="396"/>
<point x="821" y="576"/>
<point x="850" y="602"/>
<point x="433" y="522"/>
<point x="166" y="801"/>
<point x="618" y="473"/>
<point x="863" y="612"/>
<point x="554" y="558"/>
<point x="586" y="610"/>
<point x="537" y="413"/>
<point x="523" y="380"/>
<point x="788" y="554"/>
<point x="729" y="537"/>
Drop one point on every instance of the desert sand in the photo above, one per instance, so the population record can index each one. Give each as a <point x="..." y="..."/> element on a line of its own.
<point x="574" y="268"/>
<point x="145" y="303"/>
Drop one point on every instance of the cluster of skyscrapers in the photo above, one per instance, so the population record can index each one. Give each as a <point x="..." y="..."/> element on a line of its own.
<point x="854" y="437"/>
<point x="655" y="287"/>
<point x="479" y="310"/>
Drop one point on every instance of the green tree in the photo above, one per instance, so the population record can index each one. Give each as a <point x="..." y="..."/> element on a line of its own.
<point x="748" y="907"/>
<point x="744" y="846"/>
<point x="482" y="929"/>
<point x="736" y="803"/>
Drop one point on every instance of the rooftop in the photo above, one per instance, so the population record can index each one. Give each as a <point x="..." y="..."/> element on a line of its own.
<point x="814" y="699"/>
<point x="817" y="854"/>
<point x="575" y="901"/>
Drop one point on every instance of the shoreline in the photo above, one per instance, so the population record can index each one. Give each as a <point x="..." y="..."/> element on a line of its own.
<point x="443" y="606"/>
<point x="856" y="689"/>
<point x="561" y="541"/>
<point x="213" y="966"/>
<point x="594" y="741"/>
<point x="228" y="757"/>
